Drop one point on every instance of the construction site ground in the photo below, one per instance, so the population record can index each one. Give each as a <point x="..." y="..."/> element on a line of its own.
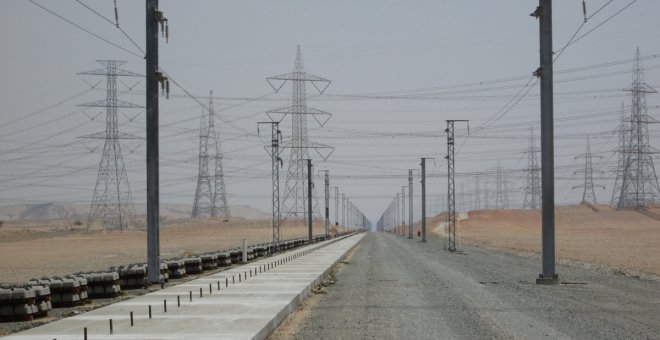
<point x="625" y="241"/>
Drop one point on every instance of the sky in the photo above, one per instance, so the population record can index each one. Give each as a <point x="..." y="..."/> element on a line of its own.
<point x="399" y="70"/>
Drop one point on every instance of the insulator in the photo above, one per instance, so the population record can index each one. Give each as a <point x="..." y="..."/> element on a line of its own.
<point x="116" y="15"/>
<point x="167" y="88"/>
<point x="584" y="10"/>
<point x="167" y="32"/>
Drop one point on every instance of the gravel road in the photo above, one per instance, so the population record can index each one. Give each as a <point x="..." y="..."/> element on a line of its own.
<point x="395" y="288"/>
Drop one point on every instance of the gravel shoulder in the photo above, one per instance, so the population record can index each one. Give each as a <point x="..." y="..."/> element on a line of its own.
<point x="393" y="287"/>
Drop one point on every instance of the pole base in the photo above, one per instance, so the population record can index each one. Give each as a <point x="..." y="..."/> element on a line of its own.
<point x="550" y="281"/>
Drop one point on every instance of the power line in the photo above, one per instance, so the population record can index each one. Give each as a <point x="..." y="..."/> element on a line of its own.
<point x="115" y="24"/>
<point x="570" y="41"/>
<point x="85" y="30"/>
<point x="602" y="23"/>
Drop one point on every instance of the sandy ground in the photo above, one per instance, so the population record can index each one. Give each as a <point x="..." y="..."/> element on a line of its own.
<point x="625" y="240"/>
<point x="30" y="249"/>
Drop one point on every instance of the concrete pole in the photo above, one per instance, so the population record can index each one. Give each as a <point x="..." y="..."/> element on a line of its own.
<point x="410" y="203"/>
<point x="245" y="249"/>
<point x="153" y="196"/>
<point x="327" y="203"/>
<point x="309" y="197"/>
<point x="548" y="275"/>
<point x="343" y="210"/>
<point x="423" y="200"/>
<point x="397" y="225"/>
<point x="403" y="210"/>
<point x="348" y="214"/>
<point x="336" y="205"/>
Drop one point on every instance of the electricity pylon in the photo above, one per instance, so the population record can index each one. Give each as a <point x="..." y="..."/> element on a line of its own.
<point x="112" y="201"/>
<point x="621" y="159"/>
<point x="639" y="183"/>
<point x="589" y="195"/>
<point x="500" y="194"/>
<point x="295" y="192"/>
<point x="477" y="193"/>
<point x="210" y="195"/>
<point x="533" y="187"/>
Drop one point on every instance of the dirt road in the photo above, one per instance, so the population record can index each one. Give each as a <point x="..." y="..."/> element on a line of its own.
<point x="395" y="288"/>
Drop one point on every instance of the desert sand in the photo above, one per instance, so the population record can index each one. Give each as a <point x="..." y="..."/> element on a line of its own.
<point x="627" y="240"/>
<point x="620" y="240"/>
<point x="32" y="249"/>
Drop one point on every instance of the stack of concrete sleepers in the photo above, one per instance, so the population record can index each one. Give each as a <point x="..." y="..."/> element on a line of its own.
<point x="132" y="276"/>
<point x="259" y="251"/>
<point x="103" y="284"/>
<point x="176" y="268"/>
<point x="65" y="291"/>
<point x="224" y="259"/>
<point x="209" y="261"/>
<point x="24" y="302"/>
<point x="193" y="265"/>
<point x="236" y="256"/>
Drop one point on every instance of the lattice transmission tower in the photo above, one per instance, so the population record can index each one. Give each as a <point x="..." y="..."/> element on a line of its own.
<point x="533" y="186"/>
<point x="210" y="195"/>
<point x="621" y="159"/>
<point x="295" y="192"/>
<point x="112" y="201"/>
<point x="451" y="186"/>
<point x="477" y="193"/>
<point x="501" y="189"/>
<point x="637" y="179"/>
<point x="589" y="194"/>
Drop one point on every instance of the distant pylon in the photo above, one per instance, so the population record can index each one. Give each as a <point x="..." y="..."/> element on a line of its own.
<point x="210" y="195"/>
<point x="621" y="159"/>
<point x="589" y="195"/>
<point x="477" y="194"/>
<point x="295" y="192"/>
<point x="486" y="197"/>
<point x="500" y="201"/>
<point x="113" y="201"/>
<point x="533" y="187"/>
<point x="639" y="183"/>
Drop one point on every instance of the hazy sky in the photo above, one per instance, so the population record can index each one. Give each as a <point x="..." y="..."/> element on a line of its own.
<point x="399" y="69"/>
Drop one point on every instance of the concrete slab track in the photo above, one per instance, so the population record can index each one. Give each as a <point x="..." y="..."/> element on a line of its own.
<point x="252" y="301"/>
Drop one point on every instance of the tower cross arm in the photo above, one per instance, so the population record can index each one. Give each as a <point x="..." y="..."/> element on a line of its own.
<point x="277" y="82"/>
<point x="117" y="72"/>
<point x="104" y="135"/>
<point x="108" y="103"/>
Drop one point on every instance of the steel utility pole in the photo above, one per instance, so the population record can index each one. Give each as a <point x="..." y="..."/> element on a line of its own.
<point x="451" y="186"/>
<point x="153" y="19"/>
<point x="343" y="210"/>
<point x="403" y="210"/>
<point x="348" y="213"/>
<point x="397" y="225"/>
<point x="410" y="203"/>
<point x="424" y="198"/>
<point x="309" y="197"/>
<point x="327" y="201"/>
<point x="336" y="206"/>
<point x="276" y="136"/>
<point x="544" y="14"/>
